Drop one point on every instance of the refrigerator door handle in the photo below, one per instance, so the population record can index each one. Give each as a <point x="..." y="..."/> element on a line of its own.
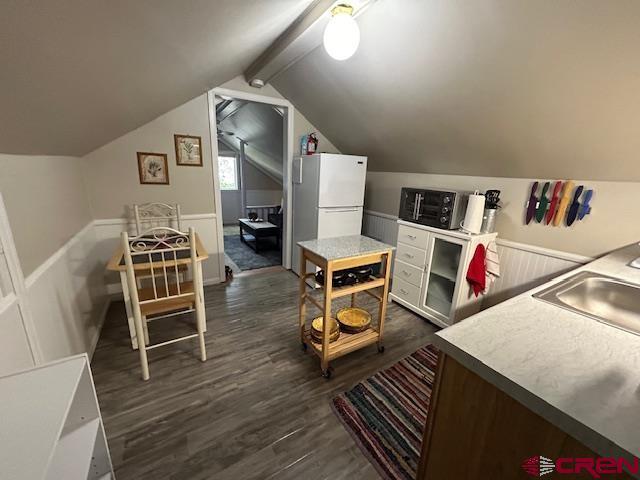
<point x="338" y="210"/>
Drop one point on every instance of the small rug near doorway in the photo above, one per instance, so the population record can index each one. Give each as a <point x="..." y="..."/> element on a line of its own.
<point x="246" y="258"/>
<point x="386" y="413"/>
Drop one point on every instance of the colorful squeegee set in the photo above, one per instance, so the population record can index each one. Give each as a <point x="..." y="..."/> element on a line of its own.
<point x="553" y="210"/>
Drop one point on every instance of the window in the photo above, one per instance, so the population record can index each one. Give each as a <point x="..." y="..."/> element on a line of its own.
<point x="228" y="171"/>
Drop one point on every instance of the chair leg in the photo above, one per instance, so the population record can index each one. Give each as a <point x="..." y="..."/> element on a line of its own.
<point x="200" y="321"/>
<point x="142" y="350"/>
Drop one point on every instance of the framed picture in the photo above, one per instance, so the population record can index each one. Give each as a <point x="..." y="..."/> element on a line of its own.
<point x="153" y="168"/>
<point x="188" y="150"/>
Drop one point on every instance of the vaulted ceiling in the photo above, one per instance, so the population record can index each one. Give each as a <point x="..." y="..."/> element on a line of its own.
<point x="260" y="126"/>
<point x="517" y="88"/>
<point x="77" y="74"/>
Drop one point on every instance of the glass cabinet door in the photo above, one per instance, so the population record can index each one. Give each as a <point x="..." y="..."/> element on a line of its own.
<point x="442" y="275"/>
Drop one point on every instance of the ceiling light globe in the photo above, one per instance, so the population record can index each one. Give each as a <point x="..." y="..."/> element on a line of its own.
<point x="341" y="36"/>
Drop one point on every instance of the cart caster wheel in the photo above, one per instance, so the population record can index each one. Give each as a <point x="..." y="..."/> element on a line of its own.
<point x="327" y="373"/>
<point x="381" y="349"/>
<point x="303" y="346"/>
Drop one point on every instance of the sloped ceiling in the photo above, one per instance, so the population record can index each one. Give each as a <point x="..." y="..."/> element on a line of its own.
<point x="259" y="125"/>
<point x="78" y="73"/>
<point x="514" y="88"/>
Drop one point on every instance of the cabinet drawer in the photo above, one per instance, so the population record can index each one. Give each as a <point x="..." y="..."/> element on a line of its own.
<point x="404" y="290"/>
<point x="413" y="236"/>
<point x="411" y="255"/>
<point x="408" y="273"/>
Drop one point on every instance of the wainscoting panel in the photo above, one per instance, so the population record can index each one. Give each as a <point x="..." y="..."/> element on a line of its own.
<point x="14" y="346"/>
<point x="380" y="226"/>
<point x="67" y="298"/>
<point x="522" y="266"/>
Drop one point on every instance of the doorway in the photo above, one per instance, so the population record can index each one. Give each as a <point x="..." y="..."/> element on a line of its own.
<point x="253" y="137"/>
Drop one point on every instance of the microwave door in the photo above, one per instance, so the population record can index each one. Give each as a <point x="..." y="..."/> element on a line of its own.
<point x="426" y="211"/>
<point x="409" y="205"/>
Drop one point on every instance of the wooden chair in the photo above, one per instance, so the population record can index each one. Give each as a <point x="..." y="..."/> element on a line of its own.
<point x="161" y="251"/>
<point x="152" y="215"/>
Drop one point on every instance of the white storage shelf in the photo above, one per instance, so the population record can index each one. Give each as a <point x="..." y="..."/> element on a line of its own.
<point x="51" y="424"/>
<point x="430" y="278"/>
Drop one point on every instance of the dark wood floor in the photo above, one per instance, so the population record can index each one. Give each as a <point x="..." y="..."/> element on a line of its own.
<point x="257" y="409"/>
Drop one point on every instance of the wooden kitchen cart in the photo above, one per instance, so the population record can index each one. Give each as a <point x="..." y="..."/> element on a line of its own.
<point x="332" y="255"/>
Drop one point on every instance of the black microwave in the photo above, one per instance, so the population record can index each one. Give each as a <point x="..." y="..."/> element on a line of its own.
<point x="435" y="208"/>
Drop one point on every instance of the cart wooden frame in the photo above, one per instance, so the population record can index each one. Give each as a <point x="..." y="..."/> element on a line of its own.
<point x="347" y="342"/>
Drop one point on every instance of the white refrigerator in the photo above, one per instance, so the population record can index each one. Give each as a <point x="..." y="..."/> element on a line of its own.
<point x="328" y="198"/>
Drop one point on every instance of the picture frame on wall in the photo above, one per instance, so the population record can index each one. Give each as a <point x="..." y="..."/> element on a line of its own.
<point x="153" y="168"/>
<point x="188" y="150"/>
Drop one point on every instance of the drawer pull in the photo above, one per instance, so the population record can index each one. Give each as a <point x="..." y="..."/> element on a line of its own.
<point x="412" y="237"/>
<point x="403" y="291"/>
<point x="408" y="255"/>
<point x="406" y="274"/>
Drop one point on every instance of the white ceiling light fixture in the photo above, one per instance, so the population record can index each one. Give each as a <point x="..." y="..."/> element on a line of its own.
<point x="342" y="35"/>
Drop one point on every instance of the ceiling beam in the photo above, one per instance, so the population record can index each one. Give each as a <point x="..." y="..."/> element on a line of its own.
<point x="302" y="36"/>
<point x="238" y="107"/>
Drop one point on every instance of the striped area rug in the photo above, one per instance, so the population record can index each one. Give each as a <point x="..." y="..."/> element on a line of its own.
<point x="386" y="413"/>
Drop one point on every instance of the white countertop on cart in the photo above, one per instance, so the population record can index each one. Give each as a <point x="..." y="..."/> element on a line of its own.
<point x="342" y="247"/>
<point x="580" y="374"/>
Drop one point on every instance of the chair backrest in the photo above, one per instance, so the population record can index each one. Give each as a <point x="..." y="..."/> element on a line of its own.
<point x="151" y="215"/>
<point x="156" y="255"/>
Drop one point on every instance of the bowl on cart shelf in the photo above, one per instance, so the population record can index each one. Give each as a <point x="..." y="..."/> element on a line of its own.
<point x="341" y="278"/>
<point x="363" y="273"/>
<point x="316" y="330"/>
<point x="353" y="319"/>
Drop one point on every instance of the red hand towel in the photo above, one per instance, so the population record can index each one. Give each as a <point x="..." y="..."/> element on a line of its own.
<point x="476" y="275"/>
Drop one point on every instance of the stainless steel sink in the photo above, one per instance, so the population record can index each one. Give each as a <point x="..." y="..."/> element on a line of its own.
<point x="603" y="298"/>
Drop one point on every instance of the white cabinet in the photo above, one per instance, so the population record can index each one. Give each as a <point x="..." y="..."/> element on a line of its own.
<point x="429" y="275"/>
<point x="51" y="424"/>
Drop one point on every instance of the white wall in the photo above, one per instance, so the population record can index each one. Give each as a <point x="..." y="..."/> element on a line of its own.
<point x="46" y="202"/>
<point x="231" y="206"/>
<point x="611" y="224"/>
<point x="264" y="197"/>
<point x="14" y="347"/>
<point x="111" y="171"/>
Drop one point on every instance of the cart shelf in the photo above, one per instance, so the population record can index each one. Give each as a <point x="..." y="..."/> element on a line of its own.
<point x="373" y="282"/>
<point x="347" y="342"/>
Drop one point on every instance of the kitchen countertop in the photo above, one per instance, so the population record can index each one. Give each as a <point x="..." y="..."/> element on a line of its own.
<point x="581" y="375"/>
<point x="343" y="247"/>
